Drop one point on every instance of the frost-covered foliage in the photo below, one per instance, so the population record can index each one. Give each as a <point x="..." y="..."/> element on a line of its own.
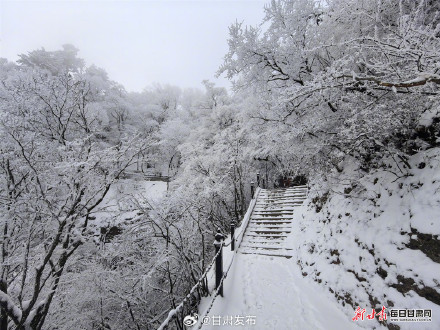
<point x="346" y="78"/>
<point x="56" y="167"/>
<point x="81" y="246"/>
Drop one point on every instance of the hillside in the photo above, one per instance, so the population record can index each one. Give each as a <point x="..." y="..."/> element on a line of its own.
<point x="375" y="242"/>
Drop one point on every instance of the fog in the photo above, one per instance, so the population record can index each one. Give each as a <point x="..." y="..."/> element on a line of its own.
<point x="136" y="42"/>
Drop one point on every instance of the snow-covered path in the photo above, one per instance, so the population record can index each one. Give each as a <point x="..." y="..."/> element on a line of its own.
<point x="264" y="288"/>
<point x="272" y="292"/>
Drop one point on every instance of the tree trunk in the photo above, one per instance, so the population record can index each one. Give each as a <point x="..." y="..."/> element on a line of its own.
<point x="3" y="315"/>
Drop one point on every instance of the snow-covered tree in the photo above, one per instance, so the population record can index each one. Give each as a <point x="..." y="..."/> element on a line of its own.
<point x="55" y="171"/>
<point x="350" y="78"/>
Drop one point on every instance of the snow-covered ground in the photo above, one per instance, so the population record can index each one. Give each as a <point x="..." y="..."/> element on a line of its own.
<point x="271" y="292"/>
<point x="375" y="242"/>
<point x="117" y="207"/>
<point x="370" y="244"/>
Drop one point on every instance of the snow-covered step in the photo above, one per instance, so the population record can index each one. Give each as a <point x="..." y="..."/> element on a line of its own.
<point x="286" y="195"/>
<point x="268" y="215"/>
<point x="265" y="248"/>
<point x="289" y="201"/>
<point x="276" y="215"/>
<point x="286" y="202"/>
<point x="269" y="231"/>
<point x="285" y="206"/>
<point x="273" y="250"/>
<point x="274" y="208"/>
<point x="263" y="240"/>
<point x="277" y="210"/>
<point x="271" y="219"/>
<point x="264" y="236"/>
<point x="271" y="222"/>
<point x="283" y="199"/>
<point x="278" y="202"/>
<point x="282" y="202"/>
<point x="253" y="225"/>
<point x="270" y="228"/>
<point x="268" y="253"/>
<point x="274" y="222"/>
<point x="281" y="217"/>
<point x="259" y="226"/>
<point x="272" y="214"/>
<point x="268" y="236"/>
<point x="286" y="192"/>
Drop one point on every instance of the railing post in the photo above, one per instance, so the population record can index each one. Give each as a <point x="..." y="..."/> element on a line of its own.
<point x="252" y="189"/>
<point x="258" y="179"/>
<point x="218" y="244"/>
<point x="232" y="235"/>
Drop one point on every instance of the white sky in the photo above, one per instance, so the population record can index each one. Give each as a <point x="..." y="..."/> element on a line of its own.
<point x="136" y="42"/>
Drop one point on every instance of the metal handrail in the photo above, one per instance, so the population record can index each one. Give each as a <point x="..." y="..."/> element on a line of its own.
<point x="244" y="225"/>
<point x="172" y="313"/>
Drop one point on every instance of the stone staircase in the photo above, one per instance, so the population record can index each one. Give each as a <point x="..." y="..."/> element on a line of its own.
<point x="271" y="221"/>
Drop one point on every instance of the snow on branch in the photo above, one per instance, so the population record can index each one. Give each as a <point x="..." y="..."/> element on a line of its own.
<point x="421" y="80"/>
<point x="11" y="309"/>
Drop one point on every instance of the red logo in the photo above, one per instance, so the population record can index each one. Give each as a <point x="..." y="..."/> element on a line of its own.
<point x="359" y="314"/>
